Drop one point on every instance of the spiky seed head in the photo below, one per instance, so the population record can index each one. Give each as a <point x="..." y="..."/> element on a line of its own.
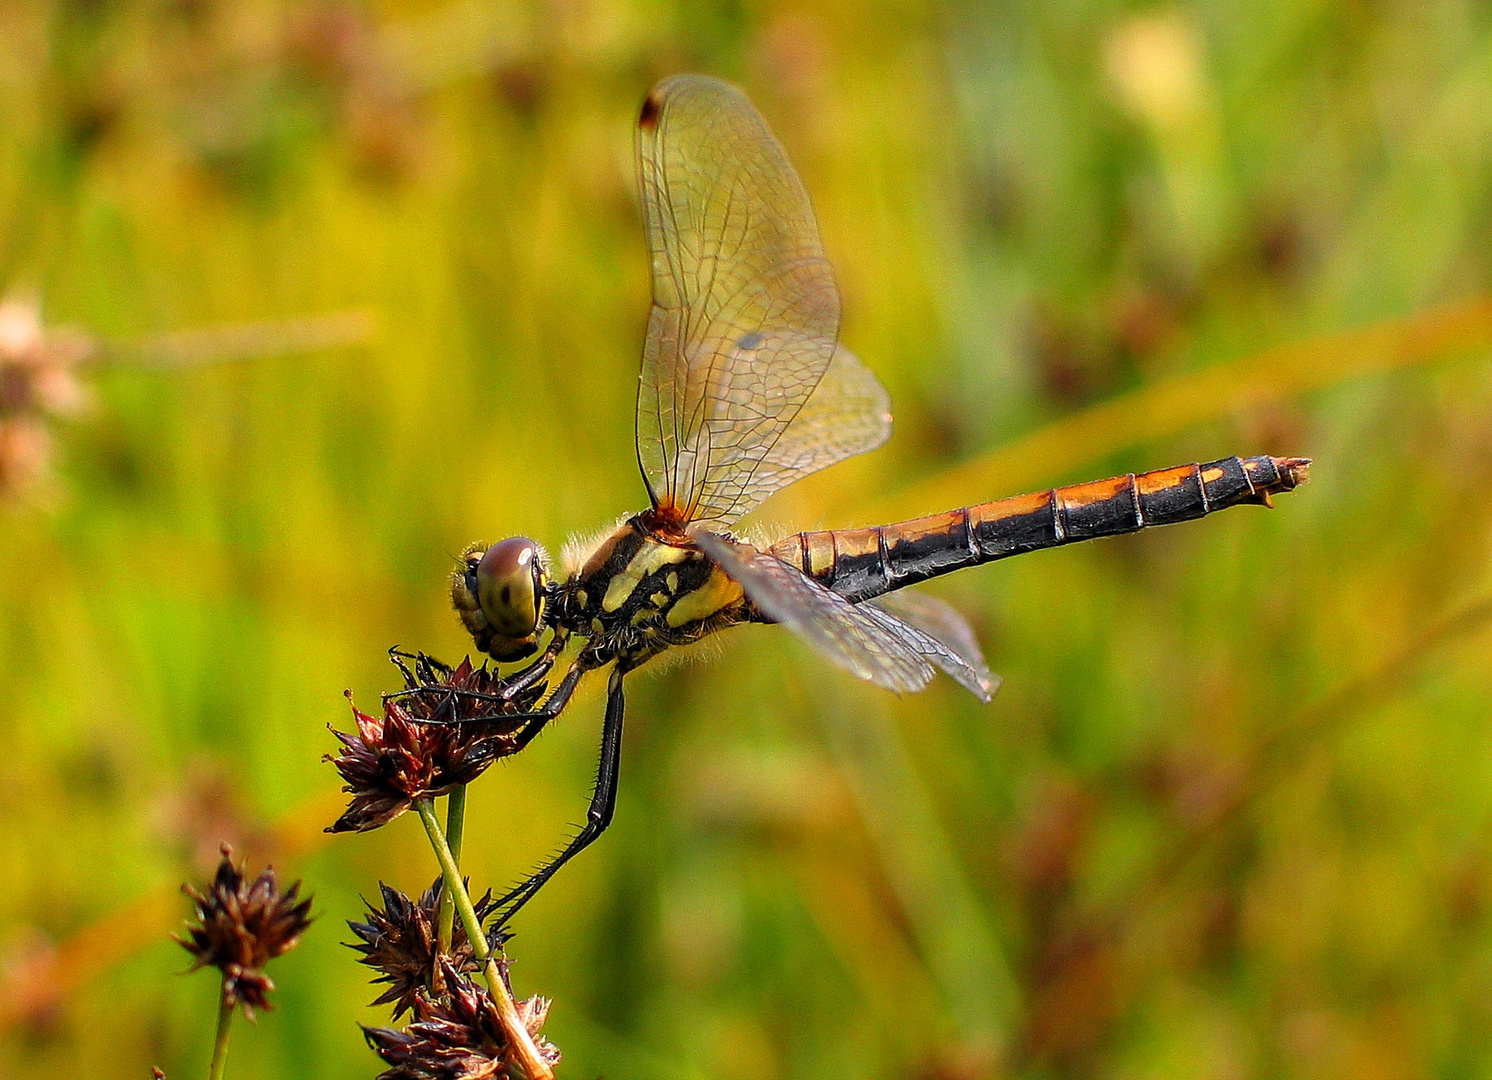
<point x="443" y="730"/>
<point x="399" y="941"/>
<point x="458" y="1035"/>
<point x="241" y="925"/>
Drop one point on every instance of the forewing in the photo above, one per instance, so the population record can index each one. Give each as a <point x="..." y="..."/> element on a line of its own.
<point x="866" y="641"/>
<point x="957" y="651"/>
<point x="745" y="312"/>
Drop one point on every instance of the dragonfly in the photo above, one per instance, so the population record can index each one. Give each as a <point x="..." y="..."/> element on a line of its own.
<point x="744" y="390"/>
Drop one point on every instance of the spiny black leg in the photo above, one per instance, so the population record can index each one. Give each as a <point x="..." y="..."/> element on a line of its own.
<point x="603" y="802"/>
<point x="522" y="680"/>
<point x="512" y="686"/>
<point x="563" y="691"/>
<point x="551" y="708"/>
<point x="516" y="684"/>
<point x="534" y="723"/>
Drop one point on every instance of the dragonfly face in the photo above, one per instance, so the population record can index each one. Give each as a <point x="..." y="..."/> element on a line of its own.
<point x="745" y="389"/>
<point x="502" y="595"/>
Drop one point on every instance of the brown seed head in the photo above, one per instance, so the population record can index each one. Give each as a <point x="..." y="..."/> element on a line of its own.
<point x="241" y="926"/>
<point x="444" y="729"/>
<point x="399" y="941"/>
<point x="458" y="1036"/>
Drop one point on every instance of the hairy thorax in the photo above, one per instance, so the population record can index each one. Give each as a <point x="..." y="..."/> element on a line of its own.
<point x="638" y="592"/>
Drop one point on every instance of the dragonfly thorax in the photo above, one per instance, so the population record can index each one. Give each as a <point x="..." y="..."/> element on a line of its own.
<point x="638" y="592"/>
<point x="501" y="594"/>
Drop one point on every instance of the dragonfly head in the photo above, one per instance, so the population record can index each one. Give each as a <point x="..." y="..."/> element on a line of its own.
<point x="502" y="593"/>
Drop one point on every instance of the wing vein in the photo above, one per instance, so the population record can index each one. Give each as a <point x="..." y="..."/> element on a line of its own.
<point x="744" y="388"/>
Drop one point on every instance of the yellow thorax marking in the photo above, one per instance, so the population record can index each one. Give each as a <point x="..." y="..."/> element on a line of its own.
<point x="716" y="593"/>
<point x="651" y="557"/>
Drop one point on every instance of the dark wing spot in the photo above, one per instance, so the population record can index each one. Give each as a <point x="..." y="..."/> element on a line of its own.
<point x="750" y="341"/>
<point x="651" y="107"/>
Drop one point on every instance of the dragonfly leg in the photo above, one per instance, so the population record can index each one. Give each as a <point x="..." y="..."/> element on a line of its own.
<point x="603" y="802"/>
<point x="557" y="700"/>
<point x="522" y="680"/>
<point x="513" y="685"/>
<point x="540" y="716"/>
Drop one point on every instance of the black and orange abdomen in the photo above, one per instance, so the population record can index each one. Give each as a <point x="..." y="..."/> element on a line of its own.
<point x="861" y="563"/>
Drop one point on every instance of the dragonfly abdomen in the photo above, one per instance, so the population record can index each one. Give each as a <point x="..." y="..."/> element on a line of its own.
<point x="861" y="563"/>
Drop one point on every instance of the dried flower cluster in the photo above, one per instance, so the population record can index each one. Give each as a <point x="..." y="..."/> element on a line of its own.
<point x="444" y="729"/>
<point x="458" y="1035"/>
<point x="38" y="381"/>
<point x="441" y="731"/>
<point x="399" y="941"/>
<point x="243" y="924"/>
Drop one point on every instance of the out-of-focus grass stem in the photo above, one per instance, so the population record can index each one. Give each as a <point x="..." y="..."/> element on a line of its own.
<point x="219" y="1067"/>
<point x="455" y="828"/>
<point x="513" y="1028"/>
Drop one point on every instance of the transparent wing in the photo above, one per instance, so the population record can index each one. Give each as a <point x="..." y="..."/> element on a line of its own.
<point x="958" y="651"/>
<point x="847" y="414"/>
<point x="745" y="313"/>
<point x="866" y="641"/>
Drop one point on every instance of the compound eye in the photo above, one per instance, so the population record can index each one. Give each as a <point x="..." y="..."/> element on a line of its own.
<point x="509" y="587"/>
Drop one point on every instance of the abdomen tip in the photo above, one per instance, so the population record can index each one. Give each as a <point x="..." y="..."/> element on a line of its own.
<point x="1297" y="469"/>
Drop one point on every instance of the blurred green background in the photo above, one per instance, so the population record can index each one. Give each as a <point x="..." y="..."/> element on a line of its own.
<point x="1230" y="816"/>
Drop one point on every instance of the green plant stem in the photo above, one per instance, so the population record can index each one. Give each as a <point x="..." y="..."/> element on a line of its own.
<point x="518" y="1036"/>
<point x="219" y="1067"/>
<point x="455" y="827"/>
